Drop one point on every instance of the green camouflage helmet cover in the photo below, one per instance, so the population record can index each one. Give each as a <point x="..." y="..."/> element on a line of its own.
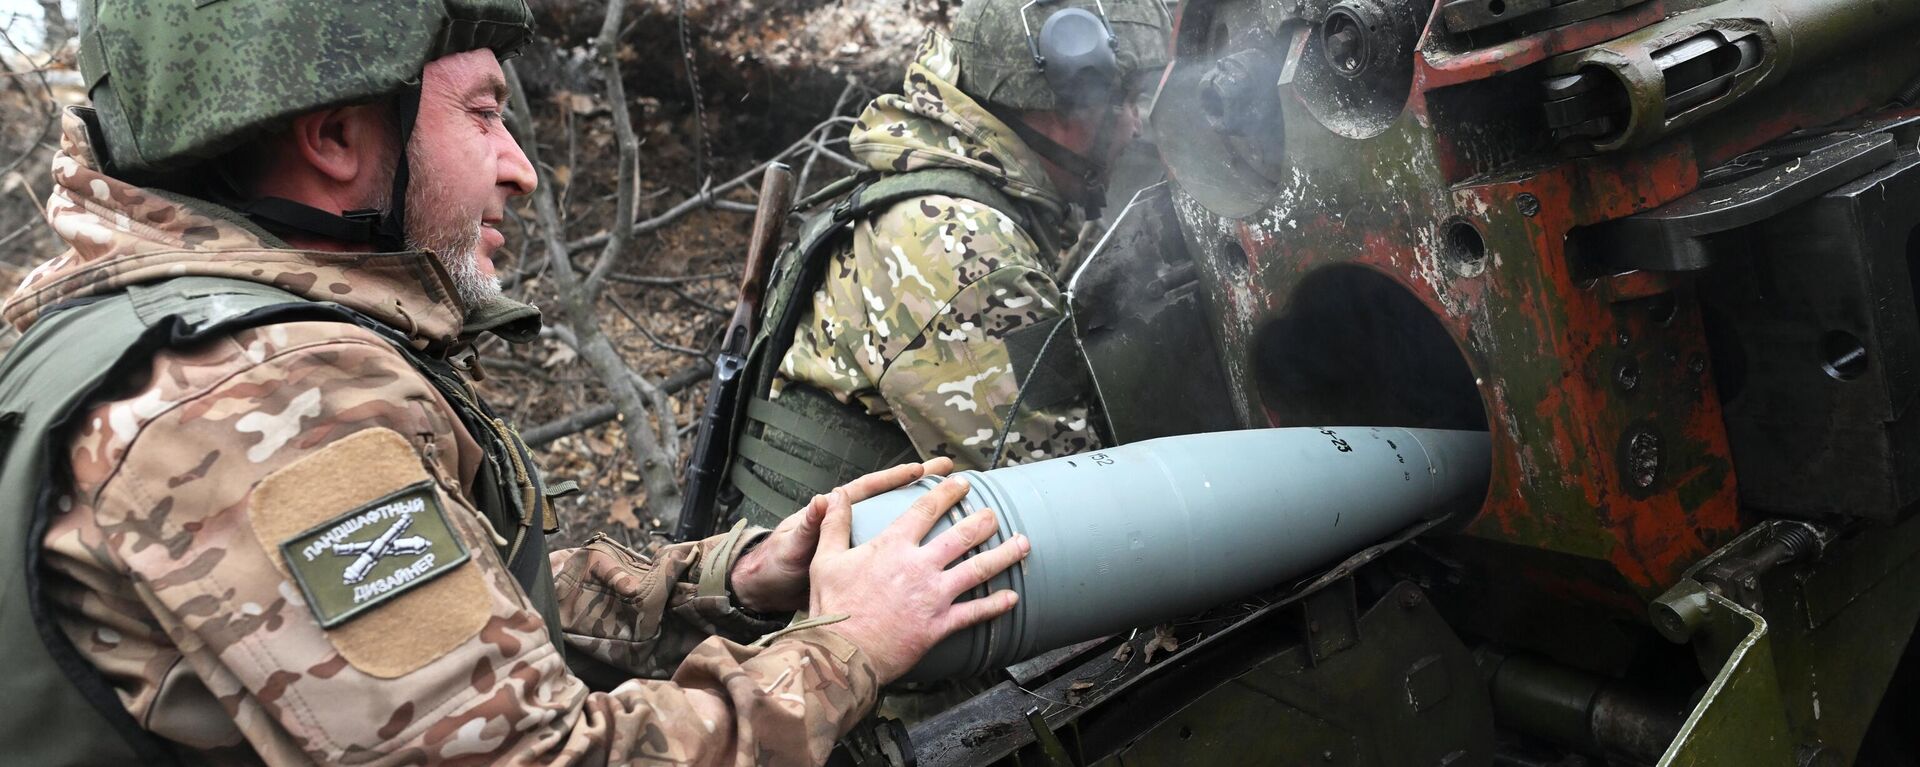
<point x="996" y="65"/>
<point x="178" y="81"/>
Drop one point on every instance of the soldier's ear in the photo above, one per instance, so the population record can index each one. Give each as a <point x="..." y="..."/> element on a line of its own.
<point x="348" y="145"/>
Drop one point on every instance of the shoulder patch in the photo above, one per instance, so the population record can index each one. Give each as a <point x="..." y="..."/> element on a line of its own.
<point x="383" y="559"/>
<point x="373" y="553"/>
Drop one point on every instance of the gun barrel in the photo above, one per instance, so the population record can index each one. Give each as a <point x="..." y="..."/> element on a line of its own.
<point x="1141" y="533"/>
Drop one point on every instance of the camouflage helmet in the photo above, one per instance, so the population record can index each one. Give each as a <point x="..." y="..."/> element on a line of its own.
<point x="991" y="41"/>
<point x="175" y="82"/>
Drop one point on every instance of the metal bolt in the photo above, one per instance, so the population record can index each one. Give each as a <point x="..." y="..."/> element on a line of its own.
<point x="1529" y="204"/>
<point x="1643" y="458"/>
<point x="1697" y="364"/>
<point x="1623" y="339"/>
<point x="1410" y="599"/>
<point x="1627" y="375"/>
<point x="1236" y="94"/>
<point x="1345" y="41"/>
<point x="1327" y="755"/>
<point x="1750" y="582"/>
<point x="1343" y="48"/>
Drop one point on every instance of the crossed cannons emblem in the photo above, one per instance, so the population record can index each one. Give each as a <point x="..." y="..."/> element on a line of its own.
<point x="369" y="553"/>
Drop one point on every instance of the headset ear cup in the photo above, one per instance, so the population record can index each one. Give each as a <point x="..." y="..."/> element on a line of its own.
<point x="1076" y="55"/>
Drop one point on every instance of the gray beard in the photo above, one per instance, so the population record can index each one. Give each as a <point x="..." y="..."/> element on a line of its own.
<point x="459" y="253"/>
<point x="455" y="245"/>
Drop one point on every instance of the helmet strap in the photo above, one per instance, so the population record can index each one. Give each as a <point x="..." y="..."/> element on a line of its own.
<point x="283" y="216"/>
<point x="391" y="230"/>
<point x="385" y="232"/>
<point x="1091" y="172"/>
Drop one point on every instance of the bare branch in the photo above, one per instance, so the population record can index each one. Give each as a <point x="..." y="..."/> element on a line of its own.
<point x="704" y="198"/>
<point x="817" y="146"/>
<point x="586" y="419"/>
<point x="806" y="168"/>
<point x="639" y="279"/>
<point x="53" y="102"/>
<point x="32" y="198"/>
<point x="631" y="393"/>
<point x="24" y="228"/>
<point x="845" y="161"/>
<point x="57" y="28"/>
<point x="658" y="342"/>
<point x="704" y="306"/>
<point x="672" y="285"/>
<point x="531" y="268"/>
<point x="607" y="47"/>
<point x="669" y="442"/>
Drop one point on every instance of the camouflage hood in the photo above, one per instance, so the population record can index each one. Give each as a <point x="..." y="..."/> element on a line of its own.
<point x="120" y="234"/>
<point x="932" y="124"/>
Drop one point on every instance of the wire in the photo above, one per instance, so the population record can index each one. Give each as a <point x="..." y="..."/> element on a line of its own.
<point x="1073" y="283"/>
<point x="1000" y="445"/>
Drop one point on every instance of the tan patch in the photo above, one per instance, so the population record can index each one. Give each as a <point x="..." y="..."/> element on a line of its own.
<point x="412" y="629"/>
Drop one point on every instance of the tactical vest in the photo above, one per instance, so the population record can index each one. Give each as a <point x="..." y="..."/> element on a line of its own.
<point x="74" y="356"/>
<point x="807" y="442"/>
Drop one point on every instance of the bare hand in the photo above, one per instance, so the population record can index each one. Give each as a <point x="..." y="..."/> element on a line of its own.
<point x="899" y="594"/>
<point x="772" y="578"/>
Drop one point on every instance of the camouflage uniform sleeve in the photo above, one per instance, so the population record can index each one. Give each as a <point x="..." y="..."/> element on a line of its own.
<point x="642" y="613"/>
<point x="940" y="285"/>
<point x="204" y="498"/>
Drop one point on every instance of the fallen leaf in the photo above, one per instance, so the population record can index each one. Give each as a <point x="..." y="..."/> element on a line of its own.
<point x="1162" y="641"/>
<point x="560" y="356"/>
<point x="623" y="514"/>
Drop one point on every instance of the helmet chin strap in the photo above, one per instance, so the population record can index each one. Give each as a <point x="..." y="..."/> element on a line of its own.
<point x="386" y="232"/>
<point x="391" y="230"/>
<point x="1091" y="172"/>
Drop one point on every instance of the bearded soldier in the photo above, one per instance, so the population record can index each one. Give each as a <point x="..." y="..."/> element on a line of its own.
<point x="251" y="511"/>
<point x="917" y="316"/>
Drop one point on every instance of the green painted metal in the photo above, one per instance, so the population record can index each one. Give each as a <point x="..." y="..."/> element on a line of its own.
<point x="1740" y="720"/>
<point x="1791" y="36"/>
<point x="1806" y="671"/>
<point x="1407" y="694"/>
<point x="1841" y="631"/>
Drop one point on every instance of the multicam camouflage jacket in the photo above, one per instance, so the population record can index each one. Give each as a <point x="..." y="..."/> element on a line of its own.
<point x="182" y="562"/>
<point x="912" y="319"/>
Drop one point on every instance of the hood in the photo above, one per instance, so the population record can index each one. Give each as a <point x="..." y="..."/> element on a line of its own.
<point x="120" y="234"/>
<point x="932" y="124"/>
